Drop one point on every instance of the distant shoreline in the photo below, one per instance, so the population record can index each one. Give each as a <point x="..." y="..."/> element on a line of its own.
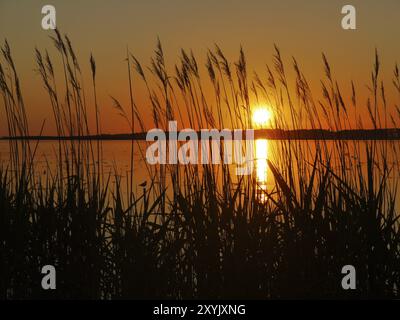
<point x="271" y="134"/>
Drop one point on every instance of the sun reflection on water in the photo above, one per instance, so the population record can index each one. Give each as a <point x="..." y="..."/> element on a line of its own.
<point x="261" y="152"/>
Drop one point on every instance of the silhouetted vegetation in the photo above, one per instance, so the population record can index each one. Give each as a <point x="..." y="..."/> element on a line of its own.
<point x="198" y="231"/>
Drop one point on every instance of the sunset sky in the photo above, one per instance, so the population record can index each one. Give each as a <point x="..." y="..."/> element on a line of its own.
<point x="303" y="29"/>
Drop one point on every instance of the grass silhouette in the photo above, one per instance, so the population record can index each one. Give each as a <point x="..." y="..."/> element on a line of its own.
<point x="194" y="231"/>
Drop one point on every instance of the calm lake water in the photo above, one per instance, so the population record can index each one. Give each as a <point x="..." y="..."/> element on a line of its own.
<point x="117" y="158"/>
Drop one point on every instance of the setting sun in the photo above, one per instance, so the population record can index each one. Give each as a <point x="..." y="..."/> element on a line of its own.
<point x="261" y="116"/>
<point x="199" y="150"/>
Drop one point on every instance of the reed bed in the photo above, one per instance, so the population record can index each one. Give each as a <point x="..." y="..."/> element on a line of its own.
<point x="198" y="231"/>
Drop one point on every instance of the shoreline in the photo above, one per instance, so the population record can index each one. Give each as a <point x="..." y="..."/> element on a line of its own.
<point x="270" y="134"/>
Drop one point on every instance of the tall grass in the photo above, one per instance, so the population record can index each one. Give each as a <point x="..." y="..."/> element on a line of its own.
<point x="198" y="231"/>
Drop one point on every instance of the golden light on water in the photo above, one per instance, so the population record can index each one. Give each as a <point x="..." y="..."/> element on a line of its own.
<point x="261" y="118"/>
<point x="261" y="160"/>
<point x="261" y="156"/>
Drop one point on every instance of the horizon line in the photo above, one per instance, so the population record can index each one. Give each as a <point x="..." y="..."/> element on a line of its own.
<point x="272" y="134"/>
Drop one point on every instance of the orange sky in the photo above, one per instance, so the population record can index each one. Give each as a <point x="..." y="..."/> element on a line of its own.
<point x="300" y="28"/>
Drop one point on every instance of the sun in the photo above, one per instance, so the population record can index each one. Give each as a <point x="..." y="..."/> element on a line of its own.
<point x="261" y="116"/>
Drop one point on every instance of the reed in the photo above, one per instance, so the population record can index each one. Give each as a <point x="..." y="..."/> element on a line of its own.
<point x="198" y="231"/>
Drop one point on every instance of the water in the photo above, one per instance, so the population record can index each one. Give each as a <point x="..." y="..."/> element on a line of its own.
<point x="117" y="159"/>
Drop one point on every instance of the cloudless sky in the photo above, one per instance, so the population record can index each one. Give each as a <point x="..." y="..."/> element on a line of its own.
<point x="300" y="28"/>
